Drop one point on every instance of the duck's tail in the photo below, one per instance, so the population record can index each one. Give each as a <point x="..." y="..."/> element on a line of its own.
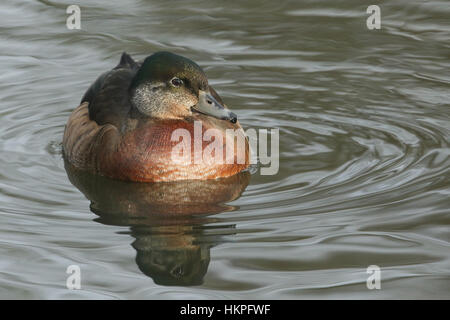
<point x="126" y="61"/>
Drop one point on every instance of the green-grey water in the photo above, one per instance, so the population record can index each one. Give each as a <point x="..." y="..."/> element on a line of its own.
<point x="364" y="120"/>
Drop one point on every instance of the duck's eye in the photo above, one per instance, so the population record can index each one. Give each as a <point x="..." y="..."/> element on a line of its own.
<point x="176" y="82"/>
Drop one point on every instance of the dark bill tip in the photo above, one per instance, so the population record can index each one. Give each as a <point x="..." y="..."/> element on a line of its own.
<point x="233" y="117"/>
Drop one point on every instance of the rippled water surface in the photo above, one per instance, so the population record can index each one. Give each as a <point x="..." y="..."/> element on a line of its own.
<point x="364" y="175"/>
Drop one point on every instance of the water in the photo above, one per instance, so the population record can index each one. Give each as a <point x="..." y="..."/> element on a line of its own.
<point x="364" y="123"/>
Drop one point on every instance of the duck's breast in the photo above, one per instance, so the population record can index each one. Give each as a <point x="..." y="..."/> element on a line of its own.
<point x="176" y="150"/>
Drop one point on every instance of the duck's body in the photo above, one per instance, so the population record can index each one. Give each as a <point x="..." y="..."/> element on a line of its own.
<point x="124" y="126"/>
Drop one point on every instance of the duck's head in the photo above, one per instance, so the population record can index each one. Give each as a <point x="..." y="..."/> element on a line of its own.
<point x="169" y="86"/>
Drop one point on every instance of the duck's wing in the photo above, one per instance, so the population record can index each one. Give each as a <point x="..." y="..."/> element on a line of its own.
<point x="108" y="96"/>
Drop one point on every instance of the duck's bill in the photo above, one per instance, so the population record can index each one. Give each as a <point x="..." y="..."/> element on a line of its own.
<point x="208" y="105"/>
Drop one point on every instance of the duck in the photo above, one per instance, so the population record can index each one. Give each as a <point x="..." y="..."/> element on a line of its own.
<point x="124" y="126"/>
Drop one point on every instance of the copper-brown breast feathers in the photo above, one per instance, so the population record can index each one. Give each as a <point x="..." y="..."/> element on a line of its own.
<point x="143" y="154"/>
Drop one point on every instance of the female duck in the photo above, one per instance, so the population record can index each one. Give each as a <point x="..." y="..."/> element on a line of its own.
<point x="124" y="127"/>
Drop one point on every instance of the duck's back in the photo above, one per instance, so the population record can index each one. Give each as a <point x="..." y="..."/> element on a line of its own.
<point x="95" y="125"/>
<point x="108" y="96"/>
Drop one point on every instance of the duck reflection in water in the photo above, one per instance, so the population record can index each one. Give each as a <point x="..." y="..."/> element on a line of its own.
<point x="170" y="220"/>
